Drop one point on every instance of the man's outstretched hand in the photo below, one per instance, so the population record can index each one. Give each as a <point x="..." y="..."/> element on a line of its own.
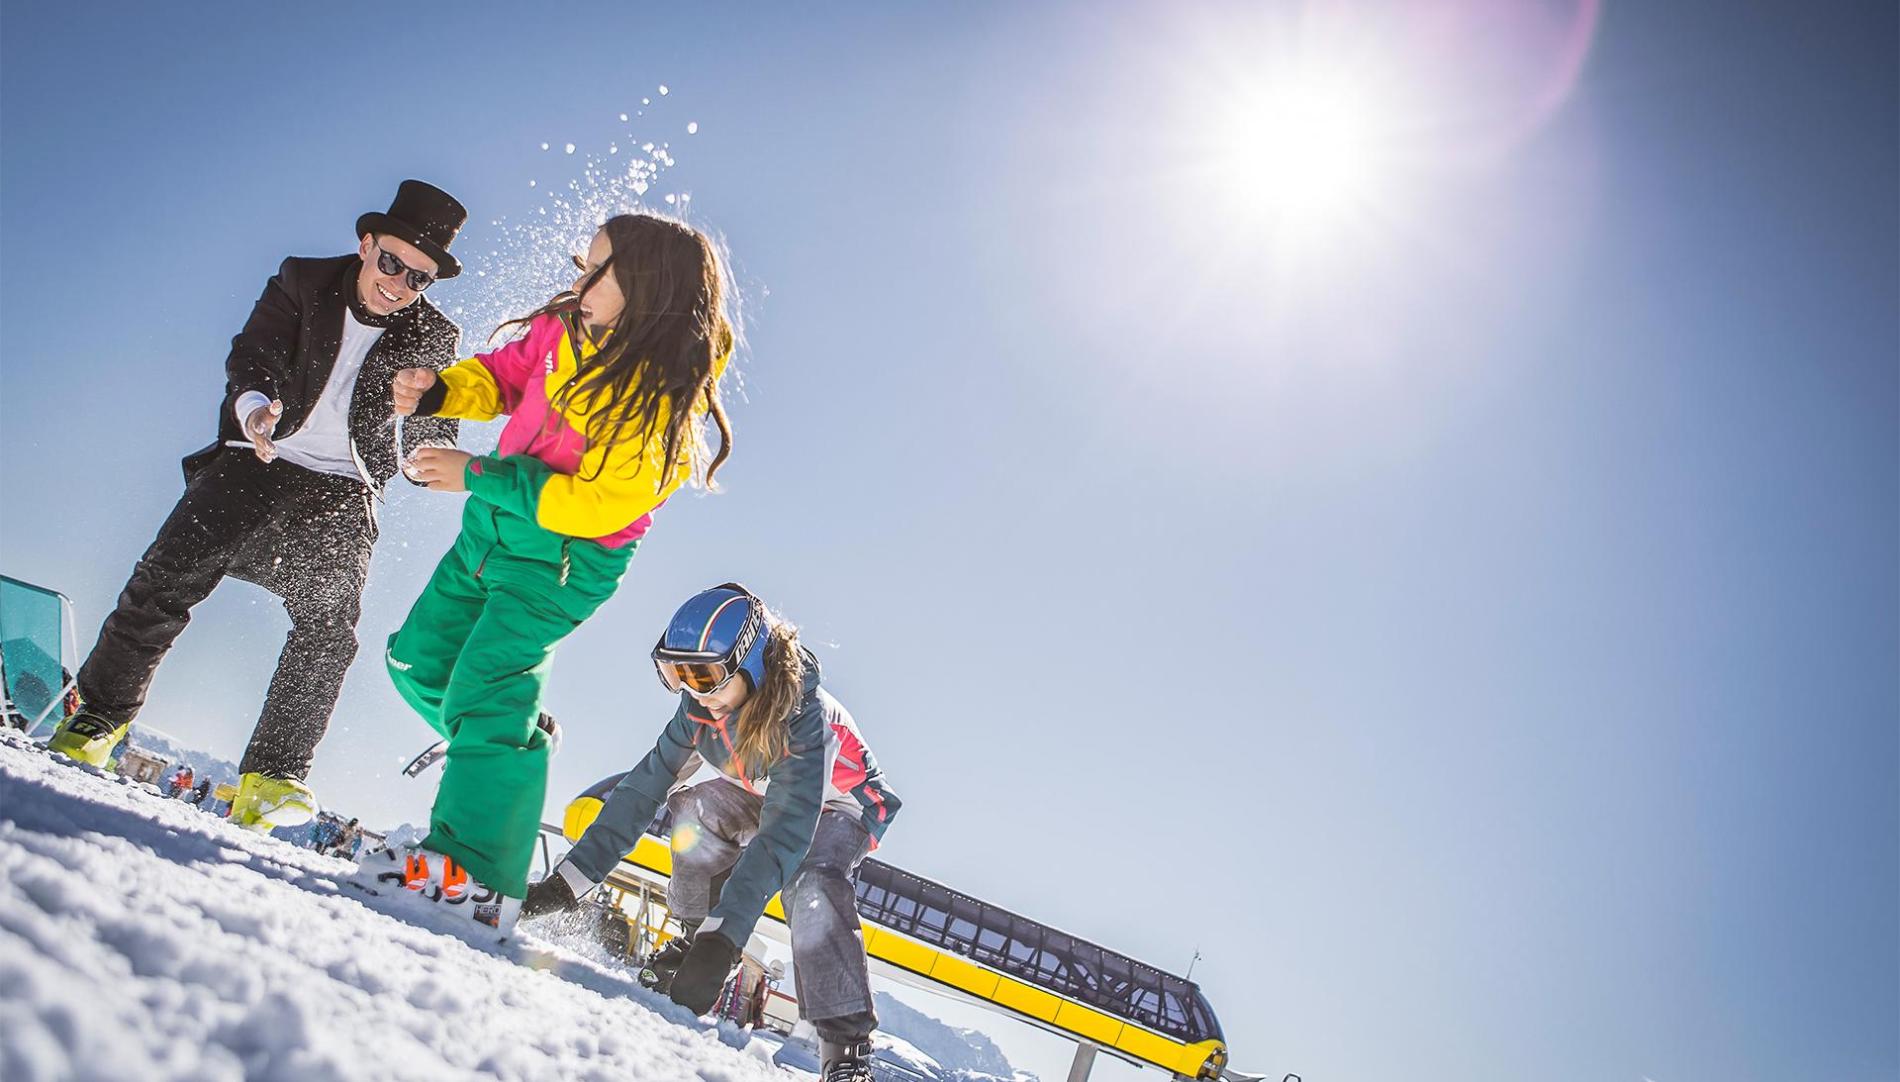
<point x="260" y="426"/>
<point x="439" y="468"/>
<point x="408" y="387"/>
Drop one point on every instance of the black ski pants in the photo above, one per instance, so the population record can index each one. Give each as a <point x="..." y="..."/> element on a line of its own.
<point x="305" y="536"/>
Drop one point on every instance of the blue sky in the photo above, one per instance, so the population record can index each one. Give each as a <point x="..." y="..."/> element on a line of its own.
<point x="1468" y="618"/>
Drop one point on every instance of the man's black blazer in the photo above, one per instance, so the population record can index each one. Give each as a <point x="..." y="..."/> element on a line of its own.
<point x="289" y="345"/>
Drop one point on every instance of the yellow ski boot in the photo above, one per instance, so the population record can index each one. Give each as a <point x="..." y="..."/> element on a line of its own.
<point x="87" y="738"/>
<point x="264" y="802"/>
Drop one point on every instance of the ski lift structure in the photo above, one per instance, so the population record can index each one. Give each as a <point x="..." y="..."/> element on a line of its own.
<point x="926" y="935"/>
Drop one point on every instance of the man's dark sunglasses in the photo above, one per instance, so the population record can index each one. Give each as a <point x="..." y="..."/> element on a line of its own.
<point x="389" y="264"/>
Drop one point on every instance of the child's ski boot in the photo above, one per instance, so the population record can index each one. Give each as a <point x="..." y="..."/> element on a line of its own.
<point x="438" y="878"/>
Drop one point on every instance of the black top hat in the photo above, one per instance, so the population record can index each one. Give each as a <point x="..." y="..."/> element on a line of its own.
<point x="425" y="216"/>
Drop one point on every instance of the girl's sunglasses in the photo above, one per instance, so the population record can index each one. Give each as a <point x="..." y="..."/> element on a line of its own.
<point x="390" y="265"/>
<point x="580" y="264"/>
<point x="697" y="678"/>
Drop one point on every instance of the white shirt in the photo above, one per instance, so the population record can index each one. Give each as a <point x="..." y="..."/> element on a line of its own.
<point x="323" y="443"/>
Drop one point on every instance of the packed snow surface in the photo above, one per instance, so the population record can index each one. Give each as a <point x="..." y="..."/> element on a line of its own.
<point x="143" y="938"/>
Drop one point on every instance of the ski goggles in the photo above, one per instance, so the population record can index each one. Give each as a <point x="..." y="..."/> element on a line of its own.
<point x="418" y="280"/>
<point x="697" y="678"/>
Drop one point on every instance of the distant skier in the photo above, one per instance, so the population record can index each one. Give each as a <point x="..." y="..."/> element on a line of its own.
<point x="198" y="794"/>
<point x="798" y="791"/>
<point x="181" y="782"/>
<point x="608" y="389"/>
<point x="292" y="506"/>
<point x="346" y="843"/>
<point x="325" y="833"/>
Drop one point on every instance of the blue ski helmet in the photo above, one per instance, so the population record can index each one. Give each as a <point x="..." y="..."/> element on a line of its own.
<point x="724" y="625"/>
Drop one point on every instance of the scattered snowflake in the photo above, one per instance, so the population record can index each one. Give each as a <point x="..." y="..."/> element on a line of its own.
<point x="663" y="90"/>
<point x="570" y="148"/>
<point x="692" y="127"/>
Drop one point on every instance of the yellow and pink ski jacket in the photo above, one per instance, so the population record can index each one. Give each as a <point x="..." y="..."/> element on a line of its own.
<point x="544" y="468"/>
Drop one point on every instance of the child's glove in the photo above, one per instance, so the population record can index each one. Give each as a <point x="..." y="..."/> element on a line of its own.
<point x="696" y="986"/>
<point x="547" y="896"/>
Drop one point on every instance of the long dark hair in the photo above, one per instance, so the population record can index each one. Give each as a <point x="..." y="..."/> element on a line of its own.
<point x="658" y="356"/>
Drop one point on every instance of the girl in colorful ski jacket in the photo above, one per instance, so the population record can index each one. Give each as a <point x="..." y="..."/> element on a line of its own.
<point x="606" y="391"/>
<point x="798" y="803"/>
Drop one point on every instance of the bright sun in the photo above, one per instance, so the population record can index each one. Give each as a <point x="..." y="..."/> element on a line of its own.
<point x="1295" y="133"/>
<point x="1305" y="151"/>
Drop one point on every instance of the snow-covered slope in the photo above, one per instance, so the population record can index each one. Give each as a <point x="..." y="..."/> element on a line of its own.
<point x="141" y="938"/>
<point x="958" y="1053"/>
<point x="172" y="750"/>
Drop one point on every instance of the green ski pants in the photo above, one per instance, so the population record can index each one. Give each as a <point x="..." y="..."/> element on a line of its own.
<point x="473" y="658"/>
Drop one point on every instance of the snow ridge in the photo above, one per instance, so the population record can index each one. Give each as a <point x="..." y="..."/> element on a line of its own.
<point x="142" y="938"/>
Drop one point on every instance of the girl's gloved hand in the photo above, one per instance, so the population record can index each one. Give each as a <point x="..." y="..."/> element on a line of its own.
<point x="547" y="896"/>
<point x="696" y="986"/>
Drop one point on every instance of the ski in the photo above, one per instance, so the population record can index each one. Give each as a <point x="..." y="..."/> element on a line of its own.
<point x="434" y="752"/>
<point x="429" y="757"/>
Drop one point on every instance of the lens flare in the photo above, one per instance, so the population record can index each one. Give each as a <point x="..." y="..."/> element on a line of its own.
<point x="685" y="837"/>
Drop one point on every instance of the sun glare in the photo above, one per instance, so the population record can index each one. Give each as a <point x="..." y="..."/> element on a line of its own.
<point x="1297" y="132"/>
<point x="1302" y="151"/>
<point x="1307" y="148"/>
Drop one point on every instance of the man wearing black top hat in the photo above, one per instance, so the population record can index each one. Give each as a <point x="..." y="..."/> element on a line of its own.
<point x="286" y="496"/>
